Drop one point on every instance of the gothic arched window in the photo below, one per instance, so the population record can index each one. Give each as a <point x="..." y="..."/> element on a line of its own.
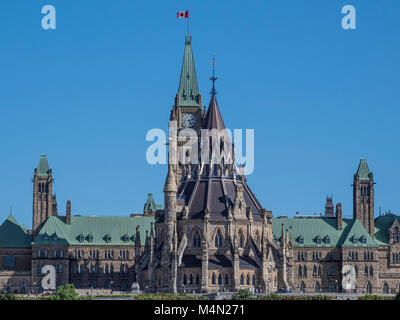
<point x="368" y="287"/>
<point x="226" y="279"/>
<point x="305" y="271"/>
<point x="299" y="273"/>
<point x="241" y="239"/>
<point x="317" y="287"/>
<point x="302" y="287"/>
<point x="191" y="279"/>
<point x="197" y="279"/>
<point x="184" y="279"/>
<point x="248" y="279"/>
<point x="213" y="280"/>
<point x="371" y="271"/>
<point x="219" y="279"/>
<point x="242" y="279"/>
<point x="218" y="239"/>
<point x="196" y="239"/>
<point x="385" y="288"/>
<point x="253" y="280"/>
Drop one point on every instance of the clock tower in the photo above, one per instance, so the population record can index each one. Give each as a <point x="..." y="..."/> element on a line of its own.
<point x="187" y="110"/>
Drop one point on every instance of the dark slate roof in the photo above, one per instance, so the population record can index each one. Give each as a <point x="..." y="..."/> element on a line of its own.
<point x="190" y="261"/>
<point x="217" y="195"/>
<point x="247" y="262"/>
<point x="219" y="261"/>
<point x="213" y="119"/>
<point x="14" y="235"/>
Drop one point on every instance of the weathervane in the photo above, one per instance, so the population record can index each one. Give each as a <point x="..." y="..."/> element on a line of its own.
<point x="213" y="78"/>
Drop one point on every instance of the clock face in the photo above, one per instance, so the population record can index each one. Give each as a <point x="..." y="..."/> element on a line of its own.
<point x="188" y="120"/>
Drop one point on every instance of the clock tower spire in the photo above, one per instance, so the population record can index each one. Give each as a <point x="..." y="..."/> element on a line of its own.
<point x="187" y="109"/>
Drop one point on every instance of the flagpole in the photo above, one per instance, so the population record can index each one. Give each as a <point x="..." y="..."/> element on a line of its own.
<point x="188" y="28"/>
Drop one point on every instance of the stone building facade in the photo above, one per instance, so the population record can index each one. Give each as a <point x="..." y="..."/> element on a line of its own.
<point x="212" y="235"/>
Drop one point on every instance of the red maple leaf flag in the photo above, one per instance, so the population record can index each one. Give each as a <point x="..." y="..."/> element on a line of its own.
<point x="182" y="14"/>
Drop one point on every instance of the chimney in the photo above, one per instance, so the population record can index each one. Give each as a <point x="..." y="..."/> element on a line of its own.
<point x="68" y="220"/>
<point x="339" y="216"/>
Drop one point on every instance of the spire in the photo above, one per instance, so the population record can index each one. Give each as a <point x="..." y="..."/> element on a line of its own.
<point x="170" y="185"/>
<point x="188" y="90"/>
<point x="213" y="119"/>
<point x="43" y="166"/>
<point x="213" y="78"/>
<point x="363" y="170"/>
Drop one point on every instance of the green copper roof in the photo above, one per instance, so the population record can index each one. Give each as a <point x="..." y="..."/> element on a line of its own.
<point x="363" y="170"/>
<point x="95" y="230"/>
<point x="188" y="89"/>
<point x="43" y="166"/>
<point x="13" y="234"/>
<point x="322" y="232"/>
<point x="150" y="205"/>
<point x="382" y="226"/>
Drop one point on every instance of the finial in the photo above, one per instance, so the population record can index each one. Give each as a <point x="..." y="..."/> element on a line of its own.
<point x="213" y="78"/>
<point x="10" y="210"/>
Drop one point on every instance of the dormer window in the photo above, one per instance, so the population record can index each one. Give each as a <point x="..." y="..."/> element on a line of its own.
<point x="363" y="240"/>
<point x="81" y="238"/>
<point x="300" y="239"/>
<point x="90" y="238"/>
<point x="125" y="238"/>
<point x="327" y="240"/>
<point x="396" y="234"/>
<point x="45" y="237"/>
<point x="107" y="238"/>
<point x="318" y="240"/>
<point x="355" y="240"/>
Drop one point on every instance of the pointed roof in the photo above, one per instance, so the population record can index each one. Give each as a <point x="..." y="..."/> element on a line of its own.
<point x="213" y="119"/>
<point x="150" y="204"/>
<point x="43" y="166"/>
<point x="170" y="184"/>
<point x="13" y="234"/>
<point x="363" y="170"/>
<point x="188" y="90"/>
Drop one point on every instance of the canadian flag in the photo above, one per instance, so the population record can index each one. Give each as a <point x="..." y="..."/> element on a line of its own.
<point x="182" y="14"/>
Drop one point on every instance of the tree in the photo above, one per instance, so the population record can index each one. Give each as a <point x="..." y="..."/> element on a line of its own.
<point x="66" y="292"/>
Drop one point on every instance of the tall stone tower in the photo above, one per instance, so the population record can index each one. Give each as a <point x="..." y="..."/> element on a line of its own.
<point x="42" y="194"/>
<point x="169" y="250"/>
<point x="187" y="110"/>
<point x="363" y="196"/>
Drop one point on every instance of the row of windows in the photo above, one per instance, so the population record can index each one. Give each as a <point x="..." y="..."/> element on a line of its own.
<point x="108" y="254"/>
<point x="396" y="257"/>
<point x="58" y="268"/>
<point x="45" y="253"/>
<point x="317" y="271"/>
<point x="108" y="284"/>
<point x="93" y="268"/>
<point x="316" y="256"/>
<point x="9" y="261"/>
<point x="43" y="187"/>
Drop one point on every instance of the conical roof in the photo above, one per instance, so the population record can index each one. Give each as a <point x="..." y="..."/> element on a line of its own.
<point x="363" y="170"/>
<point x="188" y="90"/>
<point x="213" y="119"/>
<point x="43" y="166"/>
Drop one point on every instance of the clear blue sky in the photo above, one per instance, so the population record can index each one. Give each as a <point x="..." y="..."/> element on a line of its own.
<point x="319" y="97"/>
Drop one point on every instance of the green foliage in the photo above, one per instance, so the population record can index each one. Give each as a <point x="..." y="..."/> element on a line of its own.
<point x="275" y="296"/>
<point x="243" y="294"/>
<point x="168" y="296"/>
<point x="397" y="297"/>
<point x="375" y="297"/>
<point x="8" y="296"/>
<point x="65" y="292"/>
